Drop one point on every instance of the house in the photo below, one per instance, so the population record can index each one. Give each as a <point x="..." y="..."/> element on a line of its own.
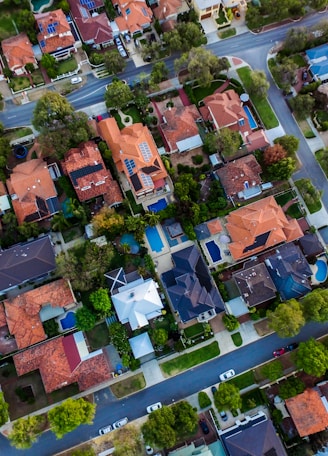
<point x="63" y="361"/>
<point x="26" y="263"/>
<point x="289" y="271"/>
<point x="259" y="226"/>
<point x="255" y="436"/>
<point x="199" y="449"/>
<point x="207" y="8"/>
<point x="89" y="176"/>
<point x="167" y="10"/>
<point x="142" y="348"/>
<point x="18" y="52"/>
<point x="137" y="302"/>
<point x="190" y="287"/>
<point x="54" y="34"/>
<point x="179" y="128"/>
<point x="136" y="156"/>
<point x="318" y="62"/>
<point x="241" y="178"/>
<point x="94" y="28"/>
<point x="4" y="199"/>
<point x="310" y="245"/>
<point x="26" y="312"/>
<point x="208" y="229"/>
<point x="308" y="411"/>
<point x="134" y="16"/>
<point x="32" y="191"/>
<point x="254" y="283"/>
<point x="226" y="110"/>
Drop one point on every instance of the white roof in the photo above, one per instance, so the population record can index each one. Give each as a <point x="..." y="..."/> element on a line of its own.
<point x="189" y="143"/>
<point x="137" y="303"/>
<point x="4" y="203"/>
<point x="141" y="345"/>
<point x="203" y="4"/>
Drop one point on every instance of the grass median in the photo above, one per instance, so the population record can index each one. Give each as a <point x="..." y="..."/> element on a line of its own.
<point x="188" y="360"/>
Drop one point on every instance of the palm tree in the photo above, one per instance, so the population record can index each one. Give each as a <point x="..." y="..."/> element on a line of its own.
<point x="152" y="218"/>
<point x="132" y="223"/>
<point x="59" y="222"/>
<point x="125" y="247"/>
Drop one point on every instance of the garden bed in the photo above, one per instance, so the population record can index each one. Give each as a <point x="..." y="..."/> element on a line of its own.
<point x="128" y="386"/>
<point x="72" y="233"/>
<point x="19" y="83"/>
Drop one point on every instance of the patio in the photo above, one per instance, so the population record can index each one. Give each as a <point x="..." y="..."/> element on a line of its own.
<point x="7" y="342"/>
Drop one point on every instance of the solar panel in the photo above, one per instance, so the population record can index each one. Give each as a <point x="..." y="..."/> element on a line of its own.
<point x="40" y="28"/>
<point x="145" y="151"/>
<point x="147" y="180"/>
<point x="51" y="28"/>
<point x="90" y="4"/>
<point x="42" y="43"/>
<point x="83" y="2"/>
<point x="89" y="169"/>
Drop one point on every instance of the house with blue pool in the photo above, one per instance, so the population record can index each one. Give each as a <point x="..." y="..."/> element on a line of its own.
<point x="190" y="288"/>
<point x="289" y="271"/>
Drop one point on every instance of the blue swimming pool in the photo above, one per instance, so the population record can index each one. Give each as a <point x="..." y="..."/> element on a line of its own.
<point x="321" y="274"/>
<point x="251" y="119"/>
<point x="158" y="206"/>
<point x="38" y="5"/>
<point x="130" y="240"/>
<point x="214" y="251"/>
<point x="154" y="239"/>
<point x="69" y="321"/>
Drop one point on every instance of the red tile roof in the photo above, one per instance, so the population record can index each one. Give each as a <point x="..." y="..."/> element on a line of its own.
<point x="257" y="140"/>
<point x="167" y="9"/>
<point x="214" y="226"/>
<point x="136" y="15"/>
<point x="88" y="174"/>
<point x="18" y="51"/>
<point x="308" y="412"/>
<point x="60" y="39"/>
<point x="23" y="311"/>
<point x="3" y="320"/>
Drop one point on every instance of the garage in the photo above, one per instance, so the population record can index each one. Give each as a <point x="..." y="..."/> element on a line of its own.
<point x="205" y="16"/>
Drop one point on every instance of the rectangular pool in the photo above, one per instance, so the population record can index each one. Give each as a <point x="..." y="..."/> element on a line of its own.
<point x="214" y="251"/>
<point x="251" y="119"/>
<point x="154" y="239"/>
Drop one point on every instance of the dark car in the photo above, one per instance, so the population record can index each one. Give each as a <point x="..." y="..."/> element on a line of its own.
<point x="223" y="416"/>
<point x="304" y="75"/>
<point x="203" y="425"/>
<point x="279" y="352"/>
<point x="214" y="389"/>
<point x="291" y="347"/>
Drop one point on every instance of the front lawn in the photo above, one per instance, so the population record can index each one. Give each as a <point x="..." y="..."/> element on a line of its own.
<point x="16" y="133"/>
<point x="294" y="211"/>
<point x="37" y="77"/>
<point x="311" y="196"/>
<point x="136" y="208"/>
<point x="251" y="400"/>
<point x="227" y="33"/>
<point x="128" y="386"/>
<point x="98" y="337"/>
<point x="284" y="198"/>
<point x="19" y="83"/>
<point x="188" y="360"/>
<point x="134" y="113"/>
<point x="194" y="331"/>
<point x="7" y="27"/>
<point x="322" y="157"/>
<point x="67" y="66"/>
<point x="200" y="93"/>
<point x="261" y="104"/>
<point x="244" y="380"/>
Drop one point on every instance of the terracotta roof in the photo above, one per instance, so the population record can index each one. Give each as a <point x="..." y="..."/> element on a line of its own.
<point x="234" y="174"/>
<point x="257" y="140"/>
<point x="89" y="176"/>
<point x="308" y="412"/>
<point x="258" y="226"/>
<point x="167" y="26"/>
<point x="167" y="9"/>
<point x="214" y="226"/>
<point x="23" y="311"/>
<point x="3" y="190"/>
<point x="3" y="320"/>
<point x="18" y="51"/>
<point x="51" y="360"/>
<point x="136" y="15"/>
<point x="134" y="153"/>
<point x="179" y="124"/>
<point x="54" y="31"/>
<point x="31" y="182"/>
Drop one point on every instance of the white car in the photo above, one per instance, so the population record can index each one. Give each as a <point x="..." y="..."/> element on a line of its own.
<point x="153" y="407"/>
<point x="122" y="51"/>
<point x="120" y="423"/>
<point x="76" y="80"/>
<point x="105" y="430"/>
<point x="226" y="375"/>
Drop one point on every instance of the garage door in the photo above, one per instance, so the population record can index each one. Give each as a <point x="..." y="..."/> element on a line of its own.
<point x="205" y="16"/>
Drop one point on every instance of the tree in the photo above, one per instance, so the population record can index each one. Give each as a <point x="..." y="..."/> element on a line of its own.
<point x="302" y="105"/>
<point x="118" y="95"/>
<point x="258" y="85"/>
<point x="315" y="305"/>
<point x="296" y="39"/>
<point x="185" y="36"/>
<point x="289" y="142"/>
<point x="4" y="415"/>
<point x="159" y="428"/>
<point x="272" y="370"/>
<point x="273" y="154"/>
<point x="85" y="319"/>
<point x="288" y="319"/>
<point x="51" y="111"/>
<point x="64" y="5"/>
<point x="160" y="336"/>
<point x="211" y="143"/>
<point x="69" y="415"/>
<point x="230" y="322"/>
<point x="151" y="218"/>
<point x="317" y="4"/>
<point x="101" y="302"/>
<point x="25" y="22"/>
<point x="59" y="222"/>
<point x="159" y="72"/>
<point x="49" y="63"/>
<point x="127" y="442"/>
<point x="312" y="358"/>
<point x="114" y="62"/>
<point x="27" y="230"/>
<point x="283" y="169"/>
<point x="227" y="397"/>
<point x="229" y="141"/>
<point x="107" y="221"/>
<point x="286" y="72"/>
<point x="203" y="400"/>
<point x="26" y="431"/>
<point x="291" y="387"/>
<point x="119" y="338"/>
<point x="185" y="418"/>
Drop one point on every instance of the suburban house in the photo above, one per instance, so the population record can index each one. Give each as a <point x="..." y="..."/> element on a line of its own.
<point x="167" y="10"/>
<point x="255" y="435"/>
<point x="26" y="262"/>
<point x="241" y="178"/>
<point x="18" y="52"/>
<point x="134" y="16"/>
<point x="226" y="110"/>
<point x="179" y="129"/>
<point x="208" y="229"/>
<point x="94" y="28"/>
<point x="311" y="245"/>
<point x="190" y="287"/>
<point x="289" y="271"/>
<point x="318" y="62"/>
<point x="308" y="410"/>
<point x="54" y="34"/>
<point x="32" y="191"/>
<point x="259" y="226"/>
<point x="90" y="178"/>
<point x="26" y="312"/>
<point x="63" y="361"/>
<point x="136" y="156"/>
<point x="197" y="448"/>
<point x="207" y="8"/>
<point x="4" y="199"/>
<point x="142" y="348"/>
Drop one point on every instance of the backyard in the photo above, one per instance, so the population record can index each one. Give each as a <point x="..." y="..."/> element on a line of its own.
<point x="98" y="337"/>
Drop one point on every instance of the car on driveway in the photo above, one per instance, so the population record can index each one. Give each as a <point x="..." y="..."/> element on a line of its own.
<point x="76" y="80"/>
<point x="120" y="423"/>
<point x="118" y="42"/>
<point x="226" y="375"/>
<point x="203" y="425"/>
<point x="105" y="430"/>
<point x="214" y="389"/>
<point x="153" y="407"/>
<point x="122" y="51"/>
<point x="279" y="352"/>
<point x="223" y="416"/>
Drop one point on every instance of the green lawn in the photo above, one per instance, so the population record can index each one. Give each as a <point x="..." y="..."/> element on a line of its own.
<point x="284" y="198"/>
<point x="134" y="113"/>
<point x="194" y="331"/>
<point x="201" y="92"/>
<point x="19" y="83"/>
<point x="16" y="133"/>
<point x="117" y="117"/>
<point x="188" y="360"/>
<point x="299" y="60"/>
<point x="227" y="33"/>
<point x="251" y="400"/>
<point x="7" y="28"/>
<point x="66" y="66"/>
<point x="294" y="211"/>
<point x="261" y="104"/>
<point x="244" y="380"/>
<point x="237" y="339"/>
<point x="72" y="233"/>
<point x="128" y="386"/>
<point x="322" y="157"/>
<point x="98" y="337"/>
<point x="37" y="77"/>
<point x="310" y="195"/>
<point x="136" y="208"/>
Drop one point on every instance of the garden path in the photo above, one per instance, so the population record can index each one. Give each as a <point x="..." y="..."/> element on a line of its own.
<point x="126" y="120"/>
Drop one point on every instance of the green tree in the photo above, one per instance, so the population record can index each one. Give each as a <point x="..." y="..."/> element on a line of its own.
<point x="203" y="400"/>
<point x="59" y="222"/>
<point x="227" y="397"/>
<point x="312" y="358"/>
<point x="290" y="144"/>
<point x="151" y="218"/>
<point x="85" y="319"/>
<point x="160" y="336"/>
<point x="118" y="95"/>
<point x="114" y="62"/>
<point x="291" y="387"/>
<point x="272" y="370"/>
<point x="119" y="337"/>
<point x="230" y="322"/>
<point x="296" y="39"/>
<point x="228" y="141"/>
<point x="69" y="415"/>
<point x="159" y="428"/>
<point x="185" y="36"/>
<point x="258" y="85"/>
<point x="315" y="305"/>
<point x="159" y="72"/>
<point x="287" y="319"/>
<point x="25" y="22"/>
<point x="64" y="5"/>
<point x="285" y="73"/>
<point x="26" y="431"/>
<point x="27" y="230"/>
<point x="302" y="105"/>
<point x="185" y="418"/>
<point x="283" y="169"/>
<point x="107" y="221"/>
<point x="101" y="302"/>
<point x="49" y="63"/>
<point x="51" y="112"/>
<point x="4" y="415"/>
<point x="127" y="441"/>
<point x="211" y="143"/>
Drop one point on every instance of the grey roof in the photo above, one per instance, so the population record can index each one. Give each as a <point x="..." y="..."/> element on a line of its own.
<point x="27" y="261"/>
<point x="310" y="244"/>
<point x="202" y="231"/>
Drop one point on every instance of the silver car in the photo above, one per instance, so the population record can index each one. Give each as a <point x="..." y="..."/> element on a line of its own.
<point x="120" y="423"/>
<point x="226" y="375"/>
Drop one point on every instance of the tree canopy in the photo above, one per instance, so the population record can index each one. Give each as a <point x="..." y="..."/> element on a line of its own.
<point x="127" y="442"/>
<point x="273" y="154"/>
<point x="287" y="319"/>
<point x="51" y="111"/>
<point x="302" y="105"/>
<point x="85" y="319"/>
<point x="259" y="84"/>
<point x="4" y="415"/>
<point x="107" y="221"/>
<point x="227" y="397"/>
<point x="101" y="302"/>
<point x="114" y="62"/>
<point x="118" y="95"/>
<point x="272" y="370"/>
<point x="25" y="431"/>
<point x="312" y="357"/>
<point x="289" y="142"/>
<point x="315" y="305"/>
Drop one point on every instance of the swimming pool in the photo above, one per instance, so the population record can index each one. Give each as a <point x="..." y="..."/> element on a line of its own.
<point x="69" y="321"/>
<point x="154" y="239"/>
<point x="251" y="119"/>
<point x="129" y="239"/>
<point x="158" y="206"/>
<point x="321" y="274"/>
<point x="214" y="251"/>
<point x="38" y="5"/>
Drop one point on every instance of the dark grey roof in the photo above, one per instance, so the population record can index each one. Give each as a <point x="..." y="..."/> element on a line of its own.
<point x="310" y="244"/>
<point x="136" y="182"/>
<point x="202" y="231"/>
<point x="115" y="279"/>
<point x="24" y="262"/>
<point x="259" y="241"/>
<point x="85" y="171"/>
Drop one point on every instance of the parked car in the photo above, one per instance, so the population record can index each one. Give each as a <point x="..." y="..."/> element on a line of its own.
<point x="122" y="51"/>
<point x="203" y="425"/>
<point x="226" y="375"/>
<point x="214" y="389"/>
<point x="127" y="38"/>
<point x="149" y="449"/>
<point x="223" y="416"/>
<point x="291" y="347"/>
<point x="304" y="75"/>
<point x="120" y="423"/>
<point x="118" y="41"/>
<point x="153" y="407"/>
<point x="105" y="430"/>
<point x="279" y="352"/>
<point x="76" y="80"/>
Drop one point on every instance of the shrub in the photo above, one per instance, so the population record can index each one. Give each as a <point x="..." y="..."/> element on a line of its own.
<point x="203" y="400"/>
<point x="230" y="322"/>
<point x="197" y="159"/>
